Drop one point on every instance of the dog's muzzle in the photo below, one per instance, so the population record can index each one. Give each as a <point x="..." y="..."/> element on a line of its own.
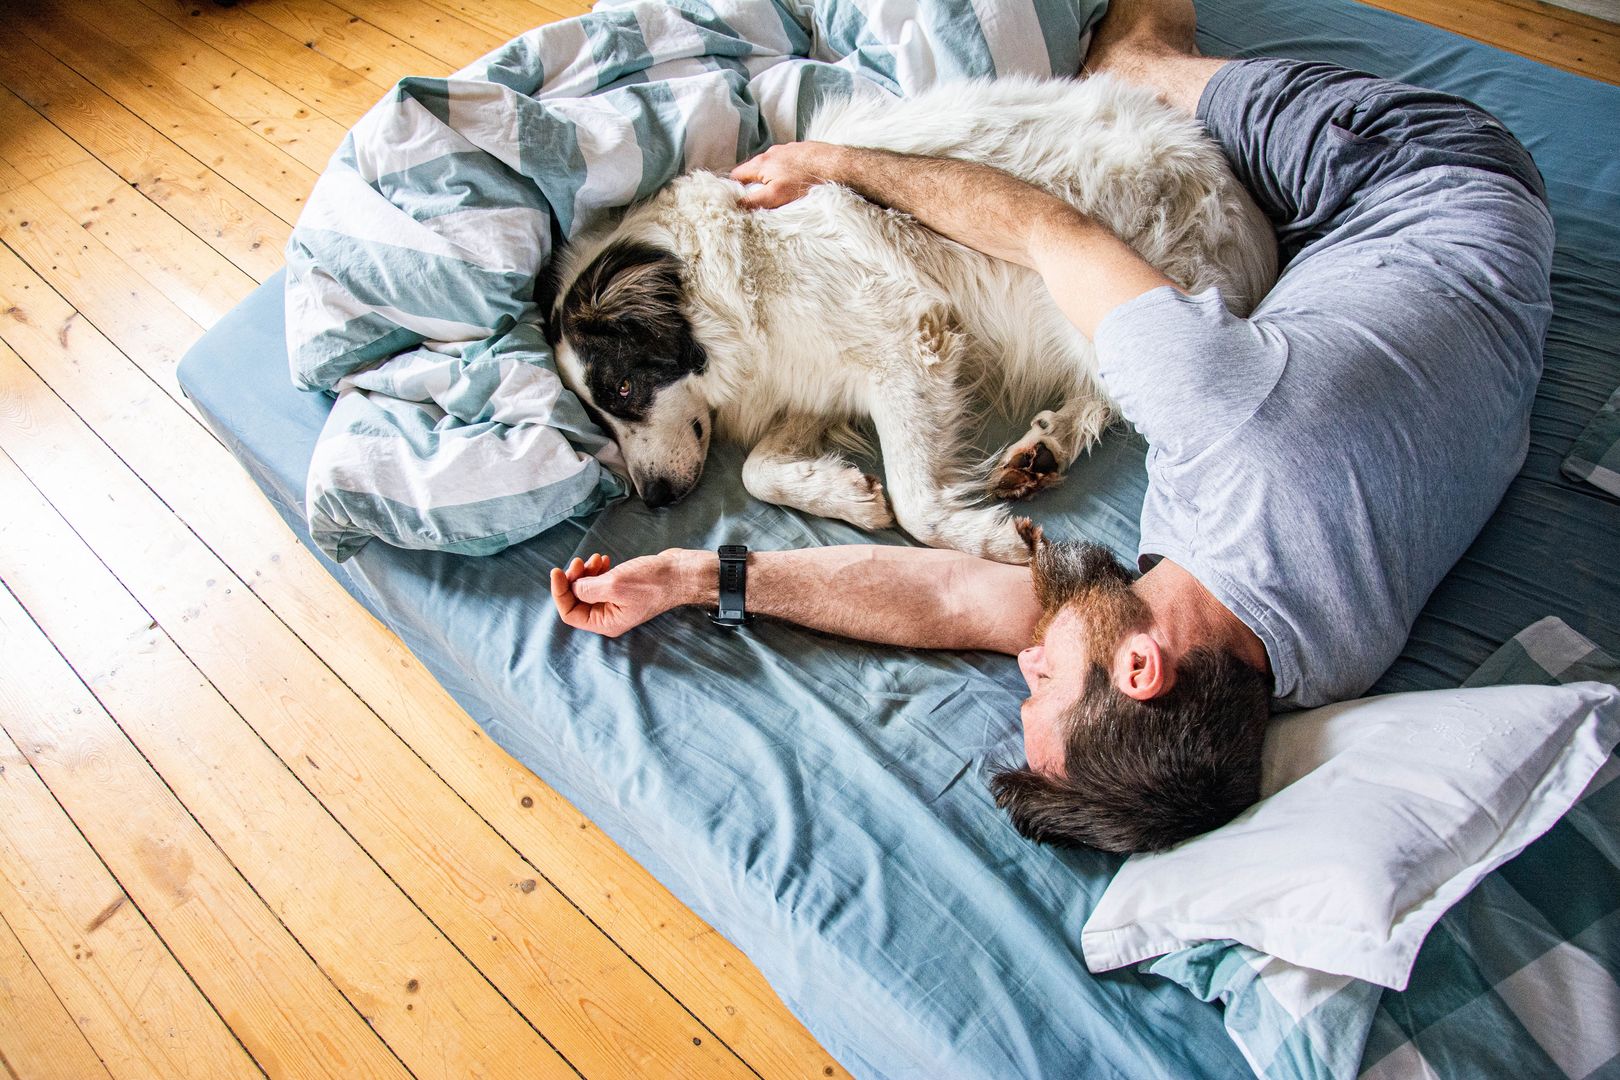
<point x="662" y="493"/>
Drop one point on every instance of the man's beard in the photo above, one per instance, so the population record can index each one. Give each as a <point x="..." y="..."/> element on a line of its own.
<point x="1097" y="585"/>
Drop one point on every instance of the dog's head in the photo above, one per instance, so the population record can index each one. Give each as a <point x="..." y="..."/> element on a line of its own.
<point x="625" y="347"/>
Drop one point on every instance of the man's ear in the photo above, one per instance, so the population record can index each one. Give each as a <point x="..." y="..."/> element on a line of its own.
<point x="1141" y="670"/>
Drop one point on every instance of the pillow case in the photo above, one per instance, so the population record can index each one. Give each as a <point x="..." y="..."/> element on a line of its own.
<point x="1381" y="813"/>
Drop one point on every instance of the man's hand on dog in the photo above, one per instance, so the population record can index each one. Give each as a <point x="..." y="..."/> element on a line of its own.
<point x="593" y="595"/>
<point x="785" y="172"/>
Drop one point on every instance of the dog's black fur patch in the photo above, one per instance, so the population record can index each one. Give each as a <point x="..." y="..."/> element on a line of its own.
<point x="624" y="317"/>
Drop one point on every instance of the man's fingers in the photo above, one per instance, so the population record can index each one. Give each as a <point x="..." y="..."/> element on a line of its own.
<point x="758" y="197"/>
<point x="749" y="172"/>
<point x="770" y="196"/>
<point x="562" y="594"/>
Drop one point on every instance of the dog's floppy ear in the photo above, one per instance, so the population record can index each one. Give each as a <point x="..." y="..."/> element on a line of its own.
<point x="546" y="287"/>
<point x="629" y="289"/>
<point x="629" y="298"/>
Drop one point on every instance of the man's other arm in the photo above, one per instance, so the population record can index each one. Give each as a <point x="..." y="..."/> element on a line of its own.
<point x="914" y="597"/>
<point x="1088" y="270"/>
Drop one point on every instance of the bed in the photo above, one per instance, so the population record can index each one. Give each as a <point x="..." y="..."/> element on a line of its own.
<point x="823" y="803"/>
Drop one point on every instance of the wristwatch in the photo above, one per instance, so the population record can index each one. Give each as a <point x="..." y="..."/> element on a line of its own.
<point x="733" y="596"/>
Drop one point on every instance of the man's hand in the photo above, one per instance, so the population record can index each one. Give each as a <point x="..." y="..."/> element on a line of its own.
<point x="785" y="172"/>
<point x="592" y="595"/>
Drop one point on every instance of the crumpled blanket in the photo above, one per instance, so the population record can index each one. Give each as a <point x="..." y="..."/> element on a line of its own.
<point x="412" y="269"/>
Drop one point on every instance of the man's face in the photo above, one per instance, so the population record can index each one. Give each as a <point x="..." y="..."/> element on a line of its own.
<point x="1055" y="669"/>
<point x="1086" y="596"/>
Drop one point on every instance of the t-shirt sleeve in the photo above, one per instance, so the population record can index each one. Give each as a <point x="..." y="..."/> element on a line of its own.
<point x="1184" y="369"/>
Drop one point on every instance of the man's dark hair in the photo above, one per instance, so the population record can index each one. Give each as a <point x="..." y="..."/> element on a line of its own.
<point x="1145" y="775"/>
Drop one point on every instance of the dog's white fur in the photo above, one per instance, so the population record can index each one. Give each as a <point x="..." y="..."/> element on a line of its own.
<point x="830" y="310"/>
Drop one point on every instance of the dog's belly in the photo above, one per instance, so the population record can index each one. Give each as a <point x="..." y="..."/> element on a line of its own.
<point x="802" y="380"/>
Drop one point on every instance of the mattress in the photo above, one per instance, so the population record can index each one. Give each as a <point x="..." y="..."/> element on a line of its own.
<point x="823" y="803"/>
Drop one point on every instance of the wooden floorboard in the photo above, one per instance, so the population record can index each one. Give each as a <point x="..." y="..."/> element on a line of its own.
<point x="90" y="938"/>
<point x="50" y="1046"/>
<point x="242" y="831"/>
<point x="155" y="167"/>
<point x="1553" y="35"/>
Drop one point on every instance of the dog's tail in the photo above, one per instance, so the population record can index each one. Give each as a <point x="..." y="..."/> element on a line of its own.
<point x="855" y="441"/>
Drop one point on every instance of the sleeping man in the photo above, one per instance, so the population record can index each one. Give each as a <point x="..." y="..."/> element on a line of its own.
<point x="1313" y="470"/>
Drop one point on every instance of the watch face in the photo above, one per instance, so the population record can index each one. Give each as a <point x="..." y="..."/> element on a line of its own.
<point x="733" y="549"/>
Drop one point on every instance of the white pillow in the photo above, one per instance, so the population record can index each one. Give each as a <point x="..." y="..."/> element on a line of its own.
<point x="1385" y="812"/>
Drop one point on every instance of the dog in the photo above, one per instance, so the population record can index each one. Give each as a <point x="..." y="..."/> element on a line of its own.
<point x="783" y="329"/>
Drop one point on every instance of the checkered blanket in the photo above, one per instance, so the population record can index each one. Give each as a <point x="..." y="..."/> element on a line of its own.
<point x="1520" y="979"/>
<point x="1596" y="455"/>
<point x="412" y="269"/>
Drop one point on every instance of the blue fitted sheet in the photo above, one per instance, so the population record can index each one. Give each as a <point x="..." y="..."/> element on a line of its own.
<point x="823" y="803"/>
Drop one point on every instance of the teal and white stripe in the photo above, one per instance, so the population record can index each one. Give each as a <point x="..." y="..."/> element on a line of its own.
<point x="412" y="269"/>
<point x="1526" y="964"/>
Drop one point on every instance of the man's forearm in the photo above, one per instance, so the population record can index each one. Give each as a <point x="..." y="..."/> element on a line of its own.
<point x="980" y="207"/>
<point x="913" y="597"/>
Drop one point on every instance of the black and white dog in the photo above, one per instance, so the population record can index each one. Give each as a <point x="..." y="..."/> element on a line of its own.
<point x="780" y="329"/>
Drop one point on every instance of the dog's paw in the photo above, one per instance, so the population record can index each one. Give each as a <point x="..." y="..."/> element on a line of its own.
<point x="984" y="531"/>
<point x="859" y="499"/>
<point x="869" y="510"/>
<point x="1031" y="464"/>
<point x="1009" y="543"/>
<point x="827" y="487"/>
<point x="1030" y="533"/>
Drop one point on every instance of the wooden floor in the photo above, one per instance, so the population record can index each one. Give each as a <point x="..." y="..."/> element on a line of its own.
<point x="241" y="829"/>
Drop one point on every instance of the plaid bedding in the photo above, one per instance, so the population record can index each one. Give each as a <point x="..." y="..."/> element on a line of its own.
<point x="1596" y="455"/>
<point x="411" y="272"/>
<point x="1520" y="979"/>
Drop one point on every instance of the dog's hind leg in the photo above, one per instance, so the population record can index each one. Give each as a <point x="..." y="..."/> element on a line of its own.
<point x="919" y="412"/>
<point x="791" y="467"/>
<point x="1054" y="439"/>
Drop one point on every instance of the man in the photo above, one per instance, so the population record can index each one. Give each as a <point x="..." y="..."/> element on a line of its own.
<point x="1313" y="471"/>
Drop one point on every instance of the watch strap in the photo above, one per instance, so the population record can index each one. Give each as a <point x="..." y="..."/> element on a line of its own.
<point x="733" y="592"/>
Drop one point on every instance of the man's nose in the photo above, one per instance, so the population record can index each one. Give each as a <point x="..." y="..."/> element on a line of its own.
<point x="1029" y="662"/>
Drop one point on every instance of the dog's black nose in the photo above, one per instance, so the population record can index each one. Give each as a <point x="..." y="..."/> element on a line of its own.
<point x="658" y="493"/>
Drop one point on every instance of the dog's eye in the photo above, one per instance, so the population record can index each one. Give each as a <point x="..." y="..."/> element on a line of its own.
<point x="624" y="388"/>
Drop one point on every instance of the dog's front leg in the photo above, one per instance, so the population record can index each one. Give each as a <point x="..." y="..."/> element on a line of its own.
<point x="920" y="413"/>
<point x="790" y="467"/>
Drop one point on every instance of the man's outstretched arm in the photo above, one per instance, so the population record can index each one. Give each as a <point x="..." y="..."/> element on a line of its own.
<point x="915" y="597"/>
<point x="1088" y="270"/>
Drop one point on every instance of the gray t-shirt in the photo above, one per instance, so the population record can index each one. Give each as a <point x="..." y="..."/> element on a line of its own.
<point x="1321" y="465"/>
